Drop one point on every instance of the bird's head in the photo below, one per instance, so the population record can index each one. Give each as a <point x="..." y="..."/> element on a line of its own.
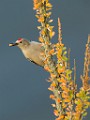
<point x="21" y="43"/>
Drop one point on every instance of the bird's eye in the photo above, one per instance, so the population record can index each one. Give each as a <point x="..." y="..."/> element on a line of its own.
<point x="20" y="41"/>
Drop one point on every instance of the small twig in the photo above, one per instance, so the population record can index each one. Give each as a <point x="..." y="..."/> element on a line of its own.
<point x="59" y="31"/>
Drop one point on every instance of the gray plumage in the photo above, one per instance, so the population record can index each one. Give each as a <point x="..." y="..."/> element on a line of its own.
<point x="31" y="50"/>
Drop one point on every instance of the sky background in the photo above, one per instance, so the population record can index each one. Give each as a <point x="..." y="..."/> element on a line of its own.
<point x="23" y="86"/>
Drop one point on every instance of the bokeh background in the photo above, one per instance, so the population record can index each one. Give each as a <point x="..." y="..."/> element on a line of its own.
<point x="23" y="85"/>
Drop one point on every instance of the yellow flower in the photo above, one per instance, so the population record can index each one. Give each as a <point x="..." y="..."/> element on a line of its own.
<point x="52" y="96"/>
<point x="56" y="112"/>
<point x="37" y="4"/>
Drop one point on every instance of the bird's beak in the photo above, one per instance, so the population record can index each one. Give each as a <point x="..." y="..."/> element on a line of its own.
<point x="13" y="44"/>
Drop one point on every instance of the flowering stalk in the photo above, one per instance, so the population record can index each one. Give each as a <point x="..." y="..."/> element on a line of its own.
<point x="69" y="104"/>
<point x="83" y="96"/>
<point x="46" y="33"/>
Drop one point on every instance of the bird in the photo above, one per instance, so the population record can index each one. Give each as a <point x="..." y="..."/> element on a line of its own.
<point x="31" y="50"/>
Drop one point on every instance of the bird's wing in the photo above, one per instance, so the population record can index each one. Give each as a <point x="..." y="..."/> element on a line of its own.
<point x="32" y="61"/>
